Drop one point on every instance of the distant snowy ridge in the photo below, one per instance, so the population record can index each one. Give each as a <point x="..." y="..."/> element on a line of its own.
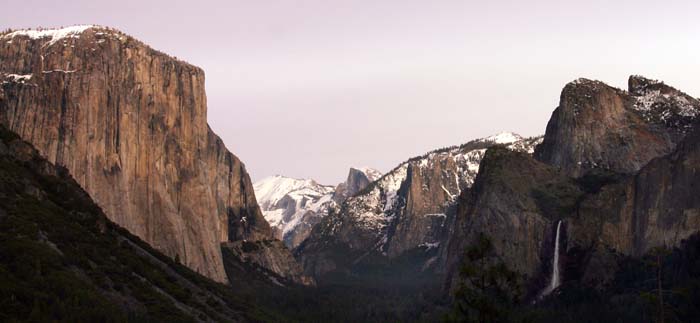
<point x="410" y="210"/>
<point x="284" y="200"/>
<point x="472" y="156"/>
<point x="272" y="189"/>
<point x="292" y="206"/>
<point x="375" y="210"/>
<point x="371" y="173"/>
<point x="503" y="138"/>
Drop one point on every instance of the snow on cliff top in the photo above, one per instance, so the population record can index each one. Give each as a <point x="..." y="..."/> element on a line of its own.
<point x="664" y="102"/>
<point x="55" y="34"/>
<point x="51" y="36"/>
<point x="504" y="138"/>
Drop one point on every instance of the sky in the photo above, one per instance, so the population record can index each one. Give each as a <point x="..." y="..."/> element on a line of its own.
<point x="309" y="88"/>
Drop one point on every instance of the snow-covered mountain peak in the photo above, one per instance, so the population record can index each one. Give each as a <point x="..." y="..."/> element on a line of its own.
<point x="292" y="206"/>
<point x="270" y="190"/>
<point x="503" y="138"/>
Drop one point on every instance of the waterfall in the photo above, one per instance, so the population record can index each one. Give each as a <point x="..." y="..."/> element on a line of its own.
<point x="554" y="282"/>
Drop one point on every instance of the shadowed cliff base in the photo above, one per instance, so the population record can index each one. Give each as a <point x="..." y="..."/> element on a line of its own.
<point x="61" y="259"/>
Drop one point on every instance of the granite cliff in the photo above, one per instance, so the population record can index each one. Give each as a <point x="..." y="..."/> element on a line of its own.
<point x="599" y="126"/>
<point x="617" y="168"/>
<point x="62" y="259"/>
<point x="130" y="124"/>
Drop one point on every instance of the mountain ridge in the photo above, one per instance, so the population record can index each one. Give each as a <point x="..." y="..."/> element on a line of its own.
<point x="399" y="212"/>
<point x="293" y="206"/>
<point x="609" y="204"/>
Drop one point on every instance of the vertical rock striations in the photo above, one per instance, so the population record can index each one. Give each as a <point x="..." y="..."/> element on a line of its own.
<point x="658" y="206"/>
<point x="130" y="124"/>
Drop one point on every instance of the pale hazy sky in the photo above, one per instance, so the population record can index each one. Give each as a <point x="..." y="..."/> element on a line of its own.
<point x="310" y="88"/>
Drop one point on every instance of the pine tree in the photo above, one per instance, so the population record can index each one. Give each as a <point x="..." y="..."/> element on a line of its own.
<point x="488" y="290"/>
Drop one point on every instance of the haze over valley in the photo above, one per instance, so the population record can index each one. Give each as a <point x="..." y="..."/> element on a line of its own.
<point x="349" y="162"/>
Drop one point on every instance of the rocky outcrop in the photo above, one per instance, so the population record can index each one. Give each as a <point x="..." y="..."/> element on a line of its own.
<point x="407" y="213"/>
<point x="130" y="124"/>
<point x="617" y="204"/>
<point x="652" y="206"/>
<point x="357" y="180"/>
<point x="504" y="205"/>
<point x="516" y="201"/>
<point x="272" y="255"/>
<point x="598" y="126"/>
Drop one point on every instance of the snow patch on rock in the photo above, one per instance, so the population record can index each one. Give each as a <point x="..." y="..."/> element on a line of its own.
<point x="18" y="78"/>
<point x="54" y="34"/>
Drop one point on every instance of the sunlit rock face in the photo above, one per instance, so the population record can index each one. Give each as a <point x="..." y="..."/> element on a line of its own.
<point x="130" y="124"/>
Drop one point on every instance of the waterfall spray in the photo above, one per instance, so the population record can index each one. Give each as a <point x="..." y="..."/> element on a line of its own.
<point x="555" y="280"/>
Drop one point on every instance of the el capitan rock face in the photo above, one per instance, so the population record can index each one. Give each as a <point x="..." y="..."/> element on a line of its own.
<point x="130" y="124"/>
